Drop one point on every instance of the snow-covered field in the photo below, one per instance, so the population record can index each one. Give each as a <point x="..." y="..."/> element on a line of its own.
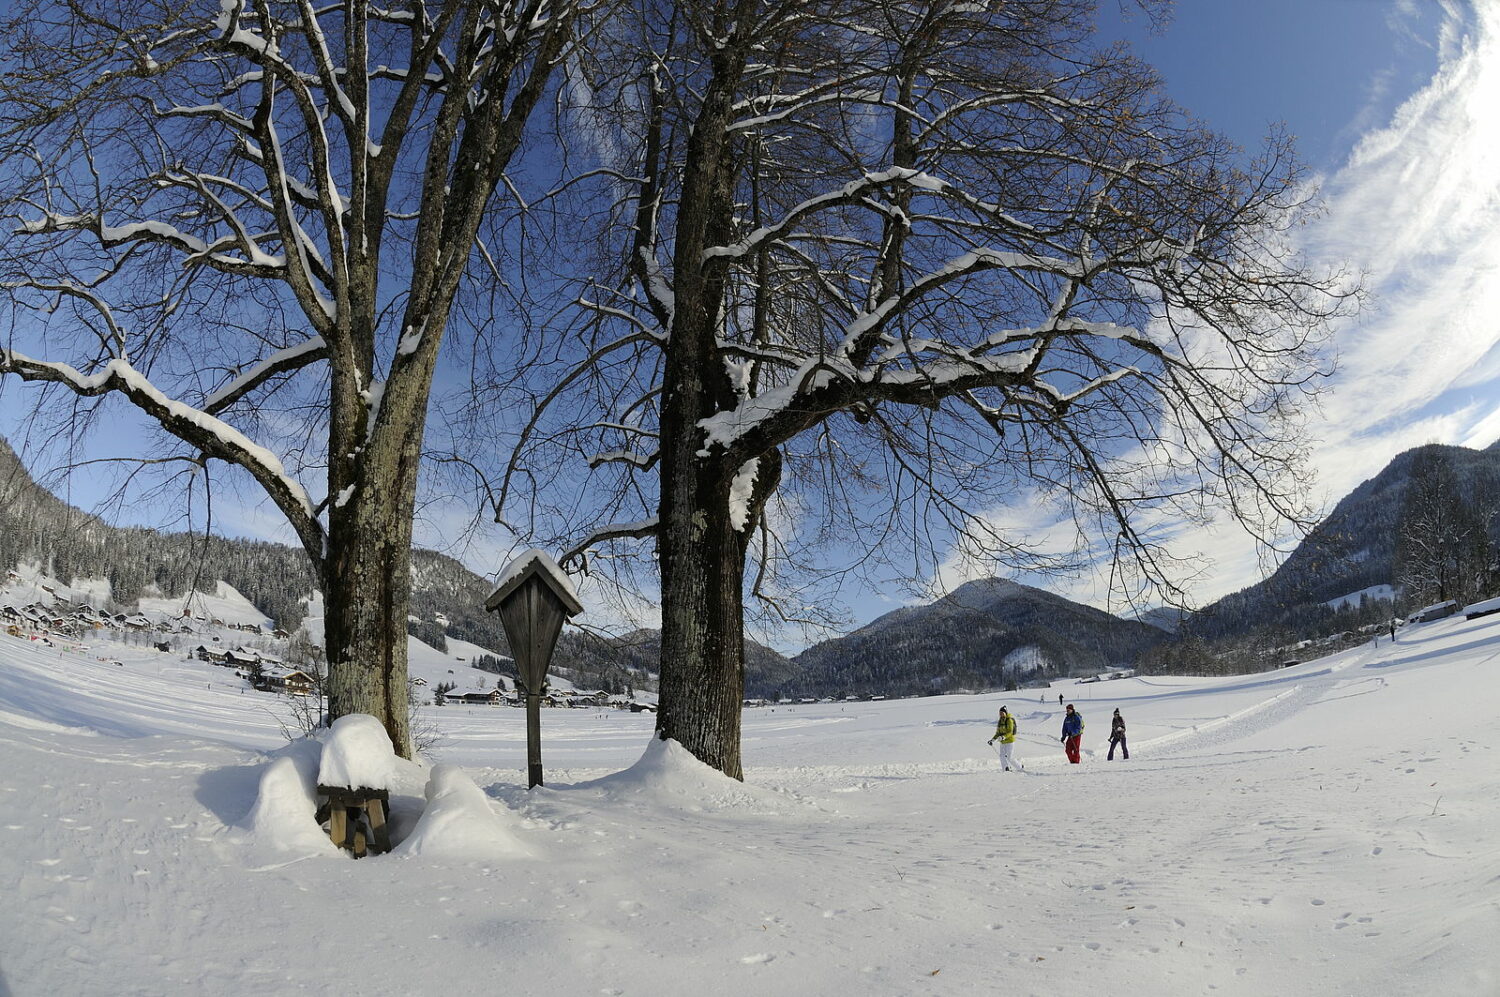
<point x="1329" y="828"/>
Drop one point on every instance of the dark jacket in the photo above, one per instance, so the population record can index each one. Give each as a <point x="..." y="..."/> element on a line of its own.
<point x="1117" y="728"/>
<point x="1072" y="724"/>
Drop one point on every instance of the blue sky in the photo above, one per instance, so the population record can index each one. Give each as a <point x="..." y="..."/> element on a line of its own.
<point x="1328" y="69"/>
<point x="1392" y="103"/>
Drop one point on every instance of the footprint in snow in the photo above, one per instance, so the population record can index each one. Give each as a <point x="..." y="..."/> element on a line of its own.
<point x="756" y="959"/>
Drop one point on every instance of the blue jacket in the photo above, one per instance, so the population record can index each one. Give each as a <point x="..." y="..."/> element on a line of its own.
<point x="1072" y="724"/>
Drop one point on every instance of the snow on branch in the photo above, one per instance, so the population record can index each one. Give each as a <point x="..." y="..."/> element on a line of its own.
<point x="191" y="425"/>
<point x="788" y="104"/>
<point x="618" y="531"/>
<point x="643" y="461"/>
<point x="215" y="112"/>
<point x="292" y="358"/>
<point x="850" y="193"/>
<point x="872" y="321"/>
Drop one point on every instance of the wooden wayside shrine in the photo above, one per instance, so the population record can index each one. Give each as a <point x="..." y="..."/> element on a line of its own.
<point x="357" y="818"/>
<point x="533" y="600"/>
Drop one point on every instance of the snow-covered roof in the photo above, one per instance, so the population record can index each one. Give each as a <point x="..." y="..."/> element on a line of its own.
<point x="282" y="674"/>
<point x="1481" y="608"/>
<point x="540" y="562"/>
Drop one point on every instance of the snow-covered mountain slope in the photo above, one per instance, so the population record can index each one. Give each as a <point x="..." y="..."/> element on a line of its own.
<point x="1326" y="828"/>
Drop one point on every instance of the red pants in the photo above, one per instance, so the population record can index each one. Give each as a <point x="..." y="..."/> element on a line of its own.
<point x="1071" y="747"/>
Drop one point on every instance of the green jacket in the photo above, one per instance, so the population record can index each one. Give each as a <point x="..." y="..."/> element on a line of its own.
<point x="1005" y="729"/>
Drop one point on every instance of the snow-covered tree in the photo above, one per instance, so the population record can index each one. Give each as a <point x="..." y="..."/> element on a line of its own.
<point x="1442" y="547"/>
<point x="251" y="220"/>
<point x="869" y="270"/>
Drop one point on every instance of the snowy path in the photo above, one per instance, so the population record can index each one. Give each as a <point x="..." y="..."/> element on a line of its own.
<point x="1322" y="829"/>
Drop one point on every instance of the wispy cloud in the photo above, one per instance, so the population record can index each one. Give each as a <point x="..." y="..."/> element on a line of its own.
<point x="1416" y="209"/>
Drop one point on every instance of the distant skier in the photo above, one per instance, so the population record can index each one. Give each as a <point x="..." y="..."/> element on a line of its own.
<point x="1005" y="733"/>
<point x="1117" y="736"/>
<point x="1059" y="699"/>
<point x="1072" y="734"/>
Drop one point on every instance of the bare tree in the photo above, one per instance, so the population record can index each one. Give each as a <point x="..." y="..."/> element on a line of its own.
<point x="884" y="268"/>
<point x="251" y="221"/>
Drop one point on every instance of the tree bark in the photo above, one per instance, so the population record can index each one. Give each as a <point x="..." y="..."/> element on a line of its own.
<point x="703" y="634"/>
<point x="367" y="590"/>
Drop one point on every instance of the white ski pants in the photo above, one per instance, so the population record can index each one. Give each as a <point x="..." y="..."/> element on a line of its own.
<point x="1006" y="761"/>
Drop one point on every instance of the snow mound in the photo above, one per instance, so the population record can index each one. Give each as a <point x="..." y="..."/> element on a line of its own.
<point x="358" y="754"/>
<point x="285" y="805"/>
<point x="459" y="822"/>
<point x="668" y="774"/>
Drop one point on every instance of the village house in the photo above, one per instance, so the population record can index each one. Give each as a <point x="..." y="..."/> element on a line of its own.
<point x="291" y="681"/>
<point x="213" y="655"/>
<point x="240" y="658"/>
<point x="1437" y="611"/>
<point x="490" y="698"/>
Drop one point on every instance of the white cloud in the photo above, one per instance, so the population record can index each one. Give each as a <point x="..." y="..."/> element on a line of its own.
<point x="1416" y="208"/>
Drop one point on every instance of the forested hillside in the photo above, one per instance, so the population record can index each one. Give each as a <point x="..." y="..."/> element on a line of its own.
<point x="36" y="526"/>
<point x="1356" y="547"/>
<point x="984" y="635"/>
<point x="68" y="543"/>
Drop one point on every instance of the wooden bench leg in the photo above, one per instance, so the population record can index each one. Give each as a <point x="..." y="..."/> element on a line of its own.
<point x="337" y="823"/>
<point x="381" y="834"/>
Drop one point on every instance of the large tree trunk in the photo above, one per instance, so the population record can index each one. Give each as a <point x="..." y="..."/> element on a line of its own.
<point x="702" y="555"/>
<point x="702" y="633"/>
<point x="367" y="591"/>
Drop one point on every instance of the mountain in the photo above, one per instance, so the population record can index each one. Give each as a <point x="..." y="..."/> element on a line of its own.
<point x="766" y="671"/>
<point x="1167" y="618"/>
<point x="983" y="635"/>
<point x="1352" y="549"/>
<point x="132" y="563"/>
<point x="979" y="636"/>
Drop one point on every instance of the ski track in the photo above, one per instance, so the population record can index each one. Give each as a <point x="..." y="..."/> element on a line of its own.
<point x="1269" y="840"/>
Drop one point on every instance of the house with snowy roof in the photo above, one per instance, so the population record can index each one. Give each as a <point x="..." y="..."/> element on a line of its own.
<point x="1437" y="611"/>
<point x="291" y="681"/>
<point x="241" y="658"/>
<point x="490" y="698"/>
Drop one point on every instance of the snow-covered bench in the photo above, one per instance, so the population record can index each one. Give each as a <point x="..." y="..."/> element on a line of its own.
<point x="354" y="776"/>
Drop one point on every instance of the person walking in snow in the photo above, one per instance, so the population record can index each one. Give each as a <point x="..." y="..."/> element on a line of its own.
<point x="1072" y="733"/>
<point x="1117" y="736"/>
<point x="1005" y="733"/>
